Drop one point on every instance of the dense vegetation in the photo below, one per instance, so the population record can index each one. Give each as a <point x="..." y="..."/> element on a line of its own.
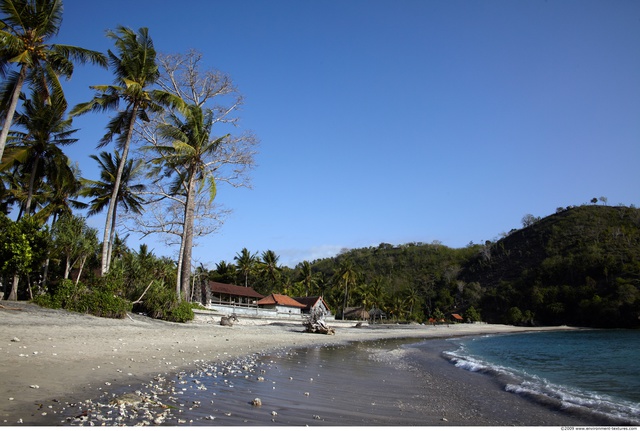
<point x="165" y="107"/>
<point x="580" y="266"/>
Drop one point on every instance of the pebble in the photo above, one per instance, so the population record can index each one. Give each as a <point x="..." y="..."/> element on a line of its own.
<point x="15" y="339"/>
<point x="256" y="402"/>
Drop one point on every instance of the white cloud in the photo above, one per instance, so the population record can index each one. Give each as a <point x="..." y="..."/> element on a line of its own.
<point x="291" y="257"/>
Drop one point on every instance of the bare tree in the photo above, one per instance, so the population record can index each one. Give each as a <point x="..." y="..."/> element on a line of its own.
<point x="195" y="145"/>
<point x="529" y="220"/>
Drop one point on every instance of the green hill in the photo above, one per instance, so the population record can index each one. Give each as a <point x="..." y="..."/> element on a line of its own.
<point x="580" y="266"/>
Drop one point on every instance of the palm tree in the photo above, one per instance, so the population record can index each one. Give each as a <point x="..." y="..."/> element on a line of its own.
<point x="308" y="278"/>
<point x="60" y="191"/>
<point x="101" y="192"/>
<point x="268" y="267"/>
<point x="25" y="28"/>
<point x="246" y="262"/>
<point x="364" y="294"/>
<point x="190" y="160"/>
<point x="135" y="69"/>
<point x="397" y="306"/>
<point x="411" y="298"/>
<point x="348" y="274"/>
<point x="226" y="272"/>
<point x="37" y="150"/>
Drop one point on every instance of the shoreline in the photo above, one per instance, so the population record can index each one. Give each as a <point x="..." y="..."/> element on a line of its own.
<point x="54" y="356"/>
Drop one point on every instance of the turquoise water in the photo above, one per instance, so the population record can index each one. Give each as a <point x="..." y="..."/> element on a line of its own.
<point x="591" y="372"/>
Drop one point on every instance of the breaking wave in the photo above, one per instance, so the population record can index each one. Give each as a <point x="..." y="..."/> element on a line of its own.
<point x="541" y="390"/>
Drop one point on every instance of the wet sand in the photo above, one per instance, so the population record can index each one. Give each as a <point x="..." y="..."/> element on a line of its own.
<point x="52" y="359"/>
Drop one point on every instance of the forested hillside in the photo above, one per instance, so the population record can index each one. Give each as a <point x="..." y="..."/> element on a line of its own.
<point x="580" y="266"/>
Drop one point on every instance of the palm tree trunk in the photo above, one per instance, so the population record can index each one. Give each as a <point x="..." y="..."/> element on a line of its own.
<point x="112" y="237"/>
<point x="46" y="265"/>
<point x="32" y="181"/>
<point x="344" y="304"/>
<point x="113" y="203"/>
<point x="180" y="263"/>
<point x="12" y="108"/>
<point x="187" y="236"/>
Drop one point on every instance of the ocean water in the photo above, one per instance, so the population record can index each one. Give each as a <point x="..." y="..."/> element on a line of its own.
<point x="572" y="377"/>
<point x="592" y="372"/>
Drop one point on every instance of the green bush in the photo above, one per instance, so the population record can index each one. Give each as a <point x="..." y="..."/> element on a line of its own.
<point x="60" y="295"/>
<point x="101" y="301"/>
<point x="514" y="316"/>
<point x="473" y="315"/>
<point x="181" y="313"/>
<point x="161" y="302"/>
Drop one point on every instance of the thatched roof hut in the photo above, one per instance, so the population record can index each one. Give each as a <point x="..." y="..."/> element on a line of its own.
<point x="356" y="313"/>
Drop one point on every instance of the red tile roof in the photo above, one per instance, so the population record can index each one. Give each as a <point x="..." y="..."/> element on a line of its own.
<point x="230" y="289"/>
<point x="457" y="317"/>
<point x="278" y="299"/>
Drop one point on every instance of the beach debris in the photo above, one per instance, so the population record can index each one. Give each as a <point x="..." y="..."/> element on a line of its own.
<point x="15" y="339"/>
<point x="127" y="400"/>
<point x="228" y="320"/>
<point x="306" y="394"/>
<point x="316" y="417"/>
<point x="274" y="413"/>
<point x="445" y="420"/>
<point x="34" y="386"/>
<point x="257" y="402"/>
<point x="315" y="323"/>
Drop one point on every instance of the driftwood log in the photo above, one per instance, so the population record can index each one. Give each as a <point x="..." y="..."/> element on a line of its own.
<point x="315" y="323"/>
<point x="228" y="320"/>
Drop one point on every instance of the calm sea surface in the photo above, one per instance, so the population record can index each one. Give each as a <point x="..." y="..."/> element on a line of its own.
<point x="595" y="372"/>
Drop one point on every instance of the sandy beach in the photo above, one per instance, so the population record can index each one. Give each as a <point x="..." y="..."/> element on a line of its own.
<point x="53" y="356"/>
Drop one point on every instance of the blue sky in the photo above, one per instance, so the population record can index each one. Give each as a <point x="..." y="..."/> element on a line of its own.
<point x="398" y="120"/>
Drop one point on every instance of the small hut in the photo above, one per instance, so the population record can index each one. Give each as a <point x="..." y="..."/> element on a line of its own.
<point x="377" y="314"/>
<point x="355" y="313"/>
